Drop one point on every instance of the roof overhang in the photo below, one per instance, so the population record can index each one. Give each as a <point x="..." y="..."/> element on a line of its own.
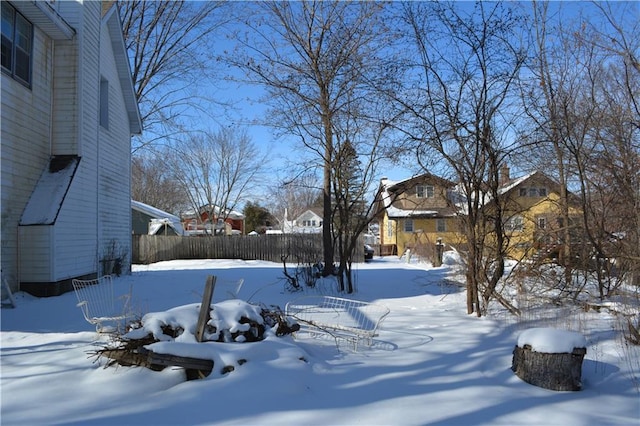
<point x="44" y="16"/>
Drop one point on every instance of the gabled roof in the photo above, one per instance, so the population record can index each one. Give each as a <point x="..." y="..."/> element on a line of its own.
<point x="316" y="211"/>
<point x="158" y="217"/>
<point x="388" y="189"/>
<point x="515" y="183"/>
<point x="112" y="19"/>
<point x="424" y="177"/>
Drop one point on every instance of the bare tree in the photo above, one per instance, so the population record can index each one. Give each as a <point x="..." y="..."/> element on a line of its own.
<point x="294" y="195"/>
<point x="152" y="183"/>
<point x="618" y="132"/>
<point x="169" y="43"/>
<point x="217" y="171"/>
<point x="548" y="99"/>
<point x="581" y="101"/>
<point x="458" y="99"/>
<point x="313" y="58"/>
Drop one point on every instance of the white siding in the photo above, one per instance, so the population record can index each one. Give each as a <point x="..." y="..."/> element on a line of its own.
<point x="25" y="146"/>
<point x="36" y="242"/>
<point x="59" y="116"/>
<point x="114" y="160"/>
<point x="76" y="228"/>
<point x="65" y="98"/>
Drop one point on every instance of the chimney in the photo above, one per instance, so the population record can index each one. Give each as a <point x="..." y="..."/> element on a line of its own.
<point x="504" y="174"/>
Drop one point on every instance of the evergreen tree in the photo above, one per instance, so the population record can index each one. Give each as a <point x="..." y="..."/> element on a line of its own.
<point x="257" y="218"/>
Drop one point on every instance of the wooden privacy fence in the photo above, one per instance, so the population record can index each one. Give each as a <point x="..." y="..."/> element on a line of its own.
<point x="299" y="248"/>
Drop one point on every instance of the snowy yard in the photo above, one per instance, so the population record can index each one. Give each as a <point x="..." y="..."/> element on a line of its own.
<point x="430" y="364"/>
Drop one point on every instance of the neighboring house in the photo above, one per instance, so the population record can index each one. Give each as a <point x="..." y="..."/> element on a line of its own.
<point x="148" y="220"/>
<point x="415" y="213"/>
<point x="68" y="113"/>
<point x="201" y="224"/>
<point x="532" y="218"/>
<point x="308" y="222"/>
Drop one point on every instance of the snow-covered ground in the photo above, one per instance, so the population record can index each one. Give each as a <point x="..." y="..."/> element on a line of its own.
<point x="431" y="363"/>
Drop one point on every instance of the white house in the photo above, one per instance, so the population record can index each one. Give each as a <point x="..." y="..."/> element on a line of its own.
<point x="68" y="113"/>
<point x="308" y="222"/>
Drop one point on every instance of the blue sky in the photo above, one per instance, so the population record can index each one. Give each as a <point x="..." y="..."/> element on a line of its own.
<point x="249" y="110"/>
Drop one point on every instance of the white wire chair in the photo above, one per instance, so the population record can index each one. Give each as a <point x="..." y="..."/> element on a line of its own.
<point x="99" y="305"/>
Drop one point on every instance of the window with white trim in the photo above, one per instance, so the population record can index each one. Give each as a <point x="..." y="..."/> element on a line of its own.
<point x="17" y="44"/>
<point x="425" y="191"/>
<point x="441" y="225"/>
<point x="533" y="192"/>
<point x="542" y="223"/>
<point x="515" y="223"/>
<point x="408" y="225"/>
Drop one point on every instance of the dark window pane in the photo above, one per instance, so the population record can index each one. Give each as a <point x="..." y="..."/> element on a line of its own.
<point x="23" y="66"/>
<point x="7" y="47"/>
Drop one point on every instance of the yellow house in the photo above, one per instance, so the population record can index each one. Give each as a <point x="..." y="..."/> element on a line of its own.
<point x="533" y="219"/>
<point x="414" y="214"/>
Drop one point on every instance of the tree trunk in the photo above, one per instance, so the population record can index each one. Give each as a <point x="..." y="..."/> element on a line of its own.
<point x="327" y="211"/>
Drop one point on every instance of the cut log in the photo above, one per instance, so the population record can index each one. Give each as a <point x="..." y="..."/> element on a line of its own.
<point x="555" y="371"/>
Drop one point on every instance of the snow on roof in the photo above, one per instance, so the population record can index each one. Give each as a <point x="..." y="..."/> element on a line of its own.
<point x="231" y="214"/>
<point x="159" y="218"/>
<point x="50" y="191"/>
<point x="512" y="184"/>
<point x="551" y="340"/>
<point x="395" y="212"/>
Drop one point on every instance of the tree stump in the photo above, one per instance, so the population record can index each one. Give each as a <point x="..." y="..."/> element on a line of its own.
<point x="543" y="358"/>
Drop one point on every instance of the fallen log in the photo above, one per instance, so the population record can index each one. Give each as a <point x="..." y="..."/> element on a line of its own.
<point x="195" y="367"/>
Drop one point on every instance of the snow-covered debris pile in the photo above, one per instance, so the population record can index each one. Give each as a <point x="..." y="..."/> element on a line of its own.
<point x="169" y="338"/>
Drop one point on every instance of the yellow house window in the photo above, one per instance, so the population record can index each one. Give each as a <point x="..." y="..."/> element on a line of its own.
<point x="515" y="223"/>
<point x="441" y="225"/>
<point x="542" y="223"/>
<point x="408" y="225"/>
<point x="533" y="192"/>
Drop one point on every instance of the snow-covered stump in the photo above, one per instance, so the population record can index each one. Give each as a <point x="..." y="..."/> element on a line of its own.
<point x="550" y="358"/>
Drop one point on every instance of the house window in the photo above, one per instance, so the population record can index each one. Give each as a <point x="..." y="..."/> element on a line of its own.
<point x="389" y="229"/>
<point x="516" y="223"/>
<point x="441" y="225"/>
<point x="408" y="225"/>
<point x="542" y="223"/>
<point x="533" y="192"/>
<point x="104" y="103"/>
<point x="17" y="44"/>
<point x="424" y="191"/>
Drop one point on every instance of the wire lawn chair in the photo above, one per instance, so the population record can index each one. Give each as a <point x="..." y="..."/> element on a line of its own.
<point x="98" y="304"/>
<point x="227" y="289"/>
